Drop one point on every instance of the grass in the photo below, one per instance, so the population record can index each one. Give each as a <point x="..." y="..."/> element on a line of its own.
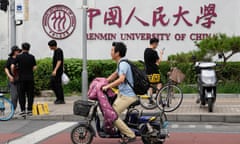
<point x="228" y="87"/>
<point x="187" y="88"/>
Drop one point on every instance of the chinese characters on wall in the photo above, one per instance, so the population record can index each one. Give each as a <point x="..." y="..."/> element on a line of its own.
<point x="113" y="16"/>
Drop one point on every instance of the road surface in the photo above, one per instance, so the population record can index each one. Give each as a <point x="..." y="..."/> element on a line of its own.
<point x="56" y="132"/>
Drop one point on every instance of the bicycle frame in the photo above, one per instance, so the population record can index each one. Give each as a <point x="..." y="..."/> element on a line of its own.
<point x="2" y="107"/>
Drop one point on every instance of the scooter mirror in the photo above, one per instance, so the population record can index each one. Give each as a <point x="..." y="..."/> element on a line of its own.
<point x="220" y="55"/>
<point x="194" y="58"/>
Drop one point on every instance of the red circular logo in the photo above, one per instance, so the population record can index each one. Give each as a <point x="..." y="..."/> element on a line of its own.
<point x="59" y="22"/>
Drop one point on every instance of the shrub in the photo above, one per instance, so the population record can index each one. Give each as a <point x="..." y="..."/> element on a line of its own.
<point x="3" y="77"/>
<point x="103" y="68"/>
<point x="42" y="75"/>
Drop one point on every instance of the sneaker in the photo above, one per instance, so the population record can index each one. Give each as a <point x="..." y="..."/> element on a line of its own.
<point x="59" y="102"/>
<point x="22" y="113"/>
<point x="29" y="113"/>
<point x="16" y="112"/>
<point x="126" y="140"/>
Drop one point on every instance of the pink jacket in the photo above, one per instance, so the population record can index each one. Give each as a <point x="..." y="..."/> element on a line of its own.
<point x="95" y="93"/>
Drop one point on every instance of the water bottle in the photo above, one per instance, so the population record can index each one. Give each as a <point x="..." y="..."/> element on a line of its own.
<point x="164" y="130"/>
<point x="165" y="125"/>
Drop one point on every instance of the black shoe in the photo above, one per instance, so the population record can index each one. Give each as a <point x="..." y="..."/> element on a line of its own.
<point x="22" y="114"/>
<point x="151" y="101"/>
<point x="198" y="100"/>
<point x="126" y="140"/>
<point x="60" y="102"/>
<point x="56" y="101"/>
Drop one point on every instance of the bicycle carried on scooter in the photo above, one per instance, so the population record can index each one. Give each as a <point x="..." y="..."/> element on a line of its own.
<point x="151" y="129"/>
<point x="6" y="106"/>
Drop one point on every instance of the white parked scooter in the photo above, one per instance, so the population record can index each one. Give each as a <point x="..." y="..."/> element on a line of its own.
<point x="206" y="81"/>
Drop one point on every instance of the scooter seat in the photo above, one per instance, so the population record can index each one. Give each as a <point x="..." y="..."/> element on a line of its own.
<point x="133" y="105"/>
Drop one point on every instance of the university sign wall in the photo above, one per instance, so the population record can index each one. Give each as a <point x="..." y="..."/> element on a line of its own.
<point x="177" y="23"/>
<point x="59" y="22"/>
<point x="113" y="16"/>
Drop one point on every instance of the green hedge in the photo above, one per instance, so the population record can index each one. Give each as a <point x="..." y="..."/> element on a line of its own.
<point x="43" y="74"/>
<point x="3" y="79"/>
<point x="103" y="68"/>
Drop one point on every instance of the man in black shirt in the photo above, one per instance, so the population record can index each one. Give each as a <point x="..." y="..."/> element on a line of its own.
<point x="12" y="77"/>
<point x="152" y="61"/>
<point x="56" y="78"/>
<point x="26" y="64"/>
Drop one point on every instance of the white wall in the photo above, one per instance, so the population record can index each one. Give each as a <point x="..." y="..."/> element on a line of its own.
<point x="227" y="21"/>
<point x="4" y="49"/>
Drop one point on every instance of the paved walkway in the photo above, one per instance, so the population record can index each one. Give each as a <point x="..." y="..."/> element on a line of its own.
<point x="227" y="109"/>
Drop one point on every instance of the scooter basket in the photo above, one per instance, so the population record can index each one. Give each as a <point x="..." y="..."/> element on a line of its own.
<point x="82" y="107"/>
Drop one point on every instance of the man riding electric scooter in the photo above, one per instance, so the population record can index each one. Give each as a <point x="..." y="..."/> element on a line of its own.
<point x="126" y="94"/>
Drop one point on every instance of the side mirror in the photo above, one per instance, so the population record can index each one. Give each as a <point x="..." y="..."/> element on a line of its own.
<point x="220" y="55"/>
<point x="194" y="58"/>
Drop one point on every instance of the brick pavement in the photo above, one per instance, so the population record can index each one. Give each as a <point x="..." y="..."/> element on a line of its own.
<point x="227" y="109"/>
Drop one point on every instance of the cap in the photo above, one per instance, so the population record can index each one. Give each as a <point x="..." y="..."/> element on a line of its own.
<point x="13" y="49"/>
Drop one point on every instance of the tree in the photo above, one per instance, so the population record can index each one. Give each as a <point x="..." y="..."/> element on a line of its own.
<point x="219" y="44"/>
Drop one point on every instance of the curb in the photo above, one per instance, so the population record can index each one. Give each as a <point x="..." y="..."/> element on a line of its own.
<point x="231" y="118"/>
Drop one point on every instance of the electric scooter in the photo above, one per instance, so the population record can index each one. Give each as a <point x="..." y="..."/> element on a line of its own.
<point x="206" y="81"/>
<point x="152" y="129"/>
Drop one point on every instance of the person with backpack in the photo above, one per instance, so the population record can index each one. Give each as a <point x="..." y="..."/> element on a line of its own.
<point x="126" y="94"/>
<point x="152" y="61"/>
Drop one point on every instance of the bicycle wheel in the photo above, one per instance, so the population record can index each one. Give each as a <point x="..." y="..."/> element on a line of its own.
<point x="148" y="102"/>
<point x="6" y="109"/>
<point x="169" y="98"/>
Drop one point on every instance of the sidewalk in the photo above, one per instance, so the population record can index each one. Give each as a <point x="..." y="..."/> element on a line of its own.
<point x="227" y="109"/>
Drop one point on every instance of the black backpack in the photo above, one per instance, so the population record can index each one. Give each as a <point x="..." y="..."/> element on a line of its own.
<point x="140" y="80"/>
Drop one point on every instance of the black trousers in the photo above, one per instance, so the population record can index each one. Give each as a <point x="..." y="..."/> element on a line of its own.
<point x="26" y="88"/>
<point x="56" y="84"/>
